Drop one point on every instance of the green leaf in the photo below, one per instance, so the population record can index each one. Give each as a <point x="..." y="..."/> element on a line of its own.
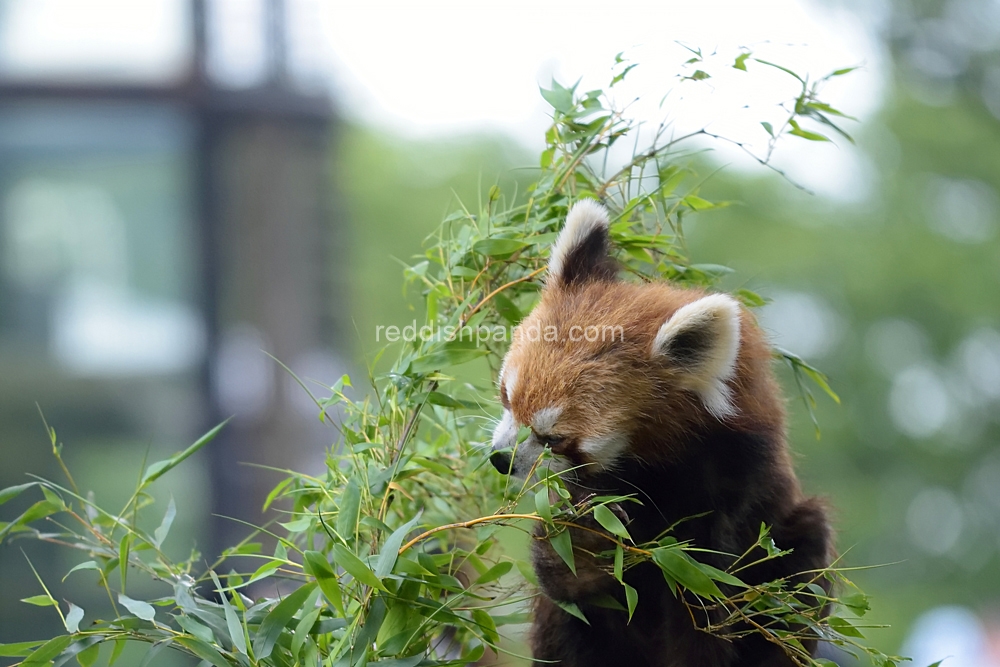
<point x="160" y="533"/>
<point x="560" y="98"/>
<point x="317" y="565"/>
<point x="232" y="618"/>
<point x="507" y="309"/>
<point x="12" y="492"/>
<point x="501" y="248"/>
<point x="298" y="525"/>
<point x="696" y="203"/>
<point x="631" y="599"/>
<point x="350" y="508"/>
<point x="542" y="505"/>
<point x="203" y="650"/>
<point x="841" y="72"/>
<point x="19" y="649"/>
<point x="572" y="609"/>
<point x="856" y="602"/>
<point x="264" y="571"/>
<point x="117" y="651"/>
<point x="47" y="651"/>
<point x="39" y="510"/>
<point x="154" y="650"/>
<point x="806" y="134"/>
<point x="137" y="608"/>
<point x="355" y="567"/>
<point x="202" y="632"/>
<point x="683" y="569"/>
<point x="89" y="655"/>
<point x="610" y="521"/>
<point x="562" y="543"/>
<point x="301" y="633"/>
<point x="719" y="575"/>
<point x="445" y="358"/>
<point x="390" y="550"/>
<point x="73" y="618"/>
<point x="741" y="61"/>
<point x="779" y="67"/>
<point x="40" y="601"/>
<point x="844" y="627"/>
<point x="619" y="561"/>
<point x="123" y="553"/>
<point x="277" y="619"/>
<point x="486" y="625"/>
<point x="750" y="299"/>
<point x="768" y="127"/>
<point x="494" y="572"/>
<point x="527" y="572"/>
<point x="160" y="468"/>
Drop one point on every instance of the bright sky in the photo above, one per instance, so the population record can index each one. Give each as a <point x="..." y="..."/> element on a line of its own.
<point x="451" y="67"/>
<point x="443" y="67"/>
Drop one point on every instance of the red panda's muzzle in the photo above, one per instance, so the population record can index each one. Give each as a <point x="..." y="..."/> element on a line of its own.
<point x="502" y="461"/>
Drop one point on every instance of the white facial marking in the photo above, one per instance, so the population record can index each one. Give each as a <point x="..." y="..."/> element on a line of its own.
<point x="604" y="449"/>
<point x="585" y="216"/>
<point x="510" y="381"/>
<point x="505" y="434"/>
<point x="717" y="317"/>
<point x="545" y="419"/>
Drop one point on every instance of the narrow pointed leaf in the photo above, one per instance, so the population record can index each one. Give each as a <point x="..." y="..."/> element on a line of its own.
<point x="390" y="550"/>
<point x="232" y="618"/>
<point x="276" y="620"/>
<point x="160" y="468"/>
<point x="355" y="567"/>
<point x="631" y="599"/>
<point x="562" y="543"/>
<point x="160" y="533"/>
<point x="12" y="492"/>
<point x="317" y="565"/>
<point x="611" y="522"/>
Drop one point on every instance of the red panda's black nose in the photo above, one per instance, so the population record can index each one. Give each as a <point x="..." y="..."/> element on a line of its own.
<point x="501" y="461"/>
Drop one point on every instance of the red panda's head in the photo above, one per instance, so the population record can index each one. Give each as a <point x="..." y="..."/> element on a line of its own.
<point x="602" y="367"/>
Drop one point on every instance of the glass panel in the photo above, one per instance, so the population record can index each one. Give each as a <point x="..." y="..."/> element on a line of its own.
<point x="97" y="40"/>
<point x="237" y="42"/>
<point x="95" y="238"/>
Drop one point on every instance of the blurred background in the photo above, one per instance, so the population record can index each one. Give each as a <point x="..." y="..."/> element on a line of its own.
<point x="188" y="184"/>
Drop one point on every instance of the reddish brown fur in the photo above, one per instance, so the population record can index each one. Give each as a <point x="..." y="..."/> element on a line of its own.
<point x="612" y="382"/>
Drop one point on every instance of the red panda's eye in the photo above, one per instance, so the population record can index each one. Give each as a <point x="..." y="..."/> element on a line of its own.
<point x="550" y="441"/>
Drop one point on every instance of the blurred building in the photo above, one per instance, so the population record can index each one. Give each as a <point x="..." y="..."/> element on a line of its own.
<point x="165" y="218"/>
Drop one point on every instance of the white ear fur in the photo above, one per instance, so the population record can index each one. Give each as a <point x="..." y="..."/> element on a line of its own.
<point x="704" y="339"/>
<point x="586" y="217"/>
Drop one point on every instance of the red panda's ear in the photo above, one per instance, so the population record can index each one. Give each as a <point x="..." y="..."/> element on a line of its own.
<point x="702" y="340"/>
<point x="581" y="251"/>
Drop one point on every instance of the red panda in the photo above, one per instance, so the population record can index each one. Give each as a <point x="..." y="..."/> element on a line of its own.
<point x="666" y="394"/>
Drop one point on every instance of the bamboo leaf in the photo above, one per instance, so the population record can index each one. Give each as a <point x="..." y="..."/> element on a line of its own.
<point x="137" y="608"/>
<point x="73" y="618"/>
<point x="611" y="522"/>
<point x="562" y="543"/>
<point x="160" y="468"/>
<point x="355" y="567"/>
<point x="277" y="619"/>
<point x="390" y="550"/>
